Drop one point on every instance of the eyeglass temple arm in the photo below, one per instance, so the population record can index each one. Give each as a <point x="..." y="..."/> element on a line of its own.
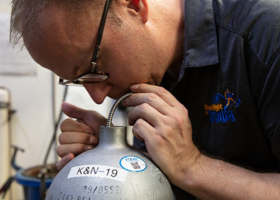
<point x="100" y="32"/>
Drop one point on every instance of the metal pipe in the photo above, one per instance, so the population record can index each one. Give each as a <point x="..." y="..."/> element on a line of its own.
<point x="110" y="117"/>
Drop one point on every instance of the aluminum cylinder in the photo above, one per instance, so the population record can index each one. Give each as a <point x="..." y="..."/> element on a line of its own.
<point x="111" y="171"/>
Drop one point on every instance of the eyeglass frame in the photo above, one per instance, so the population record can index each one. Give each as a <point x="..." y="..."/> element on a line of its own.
<point x="93" y="65"/>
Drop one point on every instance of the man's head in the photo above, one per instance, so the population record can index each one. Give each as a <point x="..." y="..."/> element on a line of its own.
<point x="137" y="45"/>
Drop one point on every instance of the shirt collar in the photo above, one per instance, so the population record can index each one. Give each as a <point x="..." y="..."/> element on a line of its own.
<point x="201" y="47"/>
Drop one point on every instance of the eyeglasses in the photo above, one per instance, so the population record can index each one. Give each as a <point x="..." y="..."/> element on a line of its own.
<point x="92" y="75"/>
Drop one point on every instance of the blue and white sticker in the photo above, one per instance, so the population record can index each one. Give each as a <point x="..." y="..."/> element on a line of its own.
<point x="133" y="164"/>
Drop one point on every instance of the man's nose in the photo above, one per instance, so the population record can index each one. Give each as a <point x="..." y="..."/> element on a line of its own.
<point x="97" y="91"/>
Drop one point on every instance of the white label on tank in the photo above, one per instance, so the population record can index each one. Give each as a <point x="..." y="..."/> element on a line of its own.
<point x="99" y="171"/>
<point x="133" y="164"/>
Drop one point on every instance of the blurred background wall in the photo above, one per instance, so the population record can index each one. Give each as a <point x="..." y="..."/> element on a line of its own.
<point x="35" y="97"/>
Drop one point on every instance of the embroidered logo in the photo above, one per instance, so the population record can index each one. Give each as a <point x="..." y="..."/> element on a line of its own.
<point x="217" y="112"/>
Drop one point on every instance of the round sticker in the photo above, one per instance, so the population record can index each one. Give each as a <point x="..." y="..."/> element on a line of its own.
<point x="133" y="164"/>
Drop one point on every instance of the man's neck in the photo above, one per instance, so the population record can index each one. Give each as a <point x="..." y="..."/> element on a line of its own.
<point x="174" y="69"/>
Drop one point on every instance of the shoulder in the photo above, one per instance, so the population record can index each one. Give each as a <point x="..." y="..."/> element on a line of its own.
<point x="256" y="21"/>
<point x="246" y="11"/>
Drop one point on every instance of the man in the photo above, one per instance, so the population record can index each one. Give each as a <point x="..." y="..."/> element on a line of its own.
<point x="216" y="134"/>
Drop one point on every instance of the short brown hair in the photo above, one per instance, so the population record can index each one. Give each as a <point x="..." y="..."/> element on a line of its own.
<point x="25" y="14"/>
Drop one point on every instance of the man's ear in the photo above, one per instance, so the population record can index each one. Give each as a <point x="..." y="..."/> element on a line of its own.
<point x="139" y="8"/>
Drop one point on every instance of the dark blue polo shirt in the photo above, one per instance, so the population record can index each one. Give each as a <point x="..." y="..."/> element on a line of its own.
<point x="230" y="81"/>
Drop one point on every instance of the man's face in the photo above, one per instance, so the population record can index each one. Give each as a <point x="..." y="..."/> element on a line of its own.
<point x="64" y="43"/>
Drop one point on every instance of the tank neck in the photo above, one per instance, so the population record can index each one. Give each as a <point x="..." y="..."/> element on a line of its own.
<point x="113" y="136"/>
